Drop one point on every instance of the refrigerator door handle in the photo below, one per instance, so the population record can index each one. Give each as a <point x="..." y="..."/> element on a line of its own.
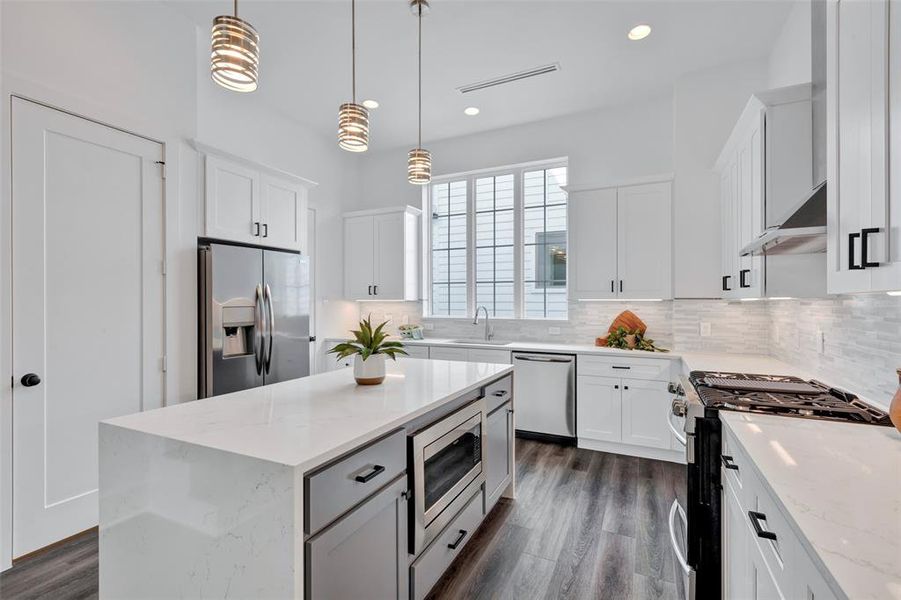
<point x="259" y="342"/>
<point x="271" y="327"/>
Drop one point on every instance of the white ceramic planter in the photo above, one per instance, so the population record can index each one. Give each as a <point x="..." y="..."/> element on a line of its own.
<point x="370" y="371"/>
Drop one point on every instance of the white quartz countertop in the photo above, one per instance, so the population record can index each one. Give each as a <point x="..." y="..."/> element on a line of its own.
<point x="535" y="347"/>
<point x="308" y="422"/>
<point x="741" y="363"/>
<point x="840" y="484"/>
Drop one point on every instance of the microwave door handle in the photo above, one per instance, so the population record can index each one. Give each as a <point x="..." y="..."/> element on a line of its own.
<point x="271" y="327"/>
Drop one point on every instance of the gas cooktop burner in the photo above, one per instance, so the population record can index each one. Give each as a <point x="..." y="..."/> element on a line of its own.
<point x="783" y="395"/>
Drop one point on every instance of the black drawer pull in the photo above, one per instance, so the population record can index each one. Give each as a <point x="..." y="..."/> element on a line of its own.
<point x="741" y="278"/>
<point x="376" y="469"/>
<point x="756" y="518"/>
<point x="618" y="367"/>
<point x="864" y="249"/>
<point x="726" y="279"/>
<point x="500" y="393"/>
<point x="851" y="265"/>
<point x="459" y="540"/>
<point x="727" y="462"/>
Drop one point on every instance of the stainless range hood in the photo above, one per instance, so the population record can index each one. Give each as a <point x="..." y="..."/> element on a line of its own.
<point x="803" y="232"/>
<point x="804" y="229"/>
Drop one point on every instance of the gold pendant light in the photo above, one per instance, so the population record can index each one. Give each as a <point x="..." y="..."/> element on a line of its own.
<point x="419" y="160"/>
<point x="235" y="59"/>
<point x="353" y="118"/>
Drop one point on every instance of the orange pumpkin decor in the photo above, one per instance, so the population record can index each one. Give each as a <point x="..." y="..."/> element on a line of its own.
<point x="628" y="320"/>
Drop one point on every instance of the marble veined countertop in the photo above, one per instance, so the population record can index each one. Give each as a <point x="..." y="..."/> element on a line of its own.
<point x="307" y="422"/>
<point x="840" y="484"/>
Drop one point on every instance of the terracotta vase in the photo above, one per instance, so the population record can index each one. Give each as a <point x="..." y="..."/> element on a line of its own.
<point x="894" y="410"/>
<point x="370" y="371"/>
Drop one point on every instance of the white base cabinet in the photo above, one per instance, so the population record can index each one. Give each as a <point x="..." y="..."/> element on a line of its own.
<point x="500" y="460"/>
<point x="381" y="254"/>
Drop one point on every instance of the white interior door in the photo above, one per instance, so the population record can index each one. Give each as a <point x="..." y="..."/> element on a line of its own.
<point x="87" y="236"/>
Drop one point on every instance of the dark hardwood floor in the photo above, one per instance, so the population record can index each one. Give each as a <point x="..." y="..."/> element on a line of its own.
<point x="585" y="525"/>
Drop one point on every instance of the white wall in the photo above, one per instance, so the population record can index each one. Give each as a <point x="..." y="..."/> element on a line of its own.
<point x="608" y="145"/>
<point x="706" y="105"/>
<point x="114" y="66"/>
<point x="789" y="62"/>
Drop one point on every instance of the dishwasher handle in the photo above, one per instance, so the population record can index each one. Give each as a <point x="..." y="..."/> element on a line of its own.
<point x="543" y="359"/>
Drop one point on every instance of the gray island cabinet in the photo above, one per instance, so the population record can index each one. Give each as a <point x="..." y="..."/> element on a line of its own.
<point x="303" y="489"/>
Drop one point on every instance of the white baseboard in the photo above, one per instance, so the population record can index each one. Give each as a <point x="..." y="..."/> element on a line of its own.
<point x="676" y="456"/>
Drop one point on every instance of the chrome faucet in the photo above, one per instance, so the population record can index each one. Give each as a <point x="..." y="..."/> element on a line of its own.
<point x="487" y="326"/>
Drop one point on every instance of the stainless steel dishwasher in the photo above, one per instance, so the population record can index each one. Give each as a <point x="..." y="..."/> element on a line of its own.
<point x="545" y="395"/>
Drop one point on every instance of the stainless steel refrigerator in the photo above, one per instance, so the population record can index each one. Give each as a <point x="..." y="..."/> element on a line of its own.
<point x="254" y="317"/>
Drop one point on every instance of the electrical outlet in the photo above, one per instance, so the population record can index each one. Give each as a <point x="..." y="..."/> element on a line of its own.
<point x="429" y="326"/>
<point x="553" y="330"/>
<point x="704" y="329"/>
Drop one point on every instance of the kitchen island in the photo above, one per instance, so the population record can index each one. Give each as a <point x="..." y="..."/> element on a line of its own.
<point x="223" y="497"/>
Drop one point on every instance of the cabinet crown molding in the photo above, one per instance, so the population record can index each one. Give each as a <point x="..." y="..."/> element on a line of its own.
<point x="263" y="168"/>
<point x="383" y="211"/>
<point x="603" y="185"/>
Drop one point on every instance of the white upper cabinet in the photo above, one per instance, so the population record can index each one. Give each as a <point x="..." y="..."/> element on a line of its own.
<point x="644" y="241"/>
<point x="863" y="94"/>
<point x="621" y="242"/>
<point x="381" y="254"/>
<point x="254" y="205"/>
<point x="592" y="242"/>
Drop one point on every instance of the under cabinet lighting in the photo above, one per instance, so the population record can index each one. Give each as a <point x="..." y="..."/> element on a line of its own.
<point x="894" y="293"/>
<point x="620" y="299"/>
<point x="780" y="298"/>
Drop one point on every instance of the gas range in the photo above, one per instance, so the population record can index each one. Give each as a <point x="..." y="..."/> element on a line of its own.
<point x="782" y="395"/>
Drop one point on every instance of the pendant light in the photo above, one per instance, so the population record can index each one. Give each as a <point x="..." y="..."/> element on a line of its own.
<point x="353" y="118"/>
<point x="419" y="160"/>
<point x="235" y="59"/>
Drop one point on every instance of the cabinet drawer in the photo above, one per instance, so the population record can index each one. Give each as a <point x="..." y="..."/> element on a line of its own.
<point x="734" y="466"/>
<point x="444" y="353"/>
<point x="417" y="351"/>
<point x="634" y="368"/>
<point x="435" y="559"/>
<point x="332" y="490"/>
<point x="498" y="392"/>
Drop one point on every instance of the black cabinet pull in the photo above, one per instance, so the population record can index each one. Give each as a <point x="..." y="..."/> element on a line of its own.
<point x="726" y="279"/>
<point x="625" y="387"/>
<point x="256" y="229"/>
<point x="500" y="393"/>
<point x="459" y="540"/>
<point x="616" y="387"/>
<point x="265" y="229"/>
<point x="756" y="518"/>
<point x="375" y="290"/>
<point x="370" y="290"/>
<point x="612" y="289"/>
<point x="864" y="249"/>
<point x="741" y="278"/>
<point x="851" y="265"/>
<point x="619" y="367"/>
<point x="727" y="462"/>
<point x="620" y="286"/>
<point x="376" y="469"/>
<point x="30" y="379"/>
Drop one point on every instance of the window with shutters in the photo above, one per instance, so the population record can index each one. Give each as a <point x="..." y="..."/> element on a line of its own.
<point x="498" y="239"/>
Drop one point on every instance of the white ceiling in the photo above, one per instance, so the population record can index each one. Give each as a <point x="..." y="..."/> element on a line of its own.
<point x="305" y="56"/>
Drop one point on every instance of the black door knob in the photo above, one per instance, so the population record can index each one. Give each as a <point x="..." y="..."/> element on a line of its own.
<point x="30" y="379"/>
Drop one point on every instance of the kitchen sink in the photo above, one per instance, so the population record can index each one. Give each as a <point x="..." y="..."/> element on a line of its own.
<point x="486" y="342"/>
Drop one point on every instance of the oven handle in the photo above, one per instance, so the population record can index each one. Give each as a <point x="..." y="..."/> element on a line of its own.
<point x="672" y="534"/>
<point x="669" y="421"/>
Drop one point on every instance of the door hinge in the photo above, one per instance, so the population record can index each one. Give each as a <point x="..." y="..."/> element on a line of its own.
<point x="163" y="364"/>
<point x="162" y="165"/>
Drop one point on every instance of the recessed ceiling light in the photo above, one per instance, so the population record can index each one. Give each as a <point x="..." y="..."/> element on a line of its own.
<point x="471" y="111"/>
<point x="639" y="32"/>
<point x="370" y="104"/>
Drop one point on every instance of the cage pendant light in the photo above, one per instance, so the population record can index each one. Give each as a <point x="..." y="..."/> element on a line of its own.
<point x="419" y="160"/>
<point x="353" y="118"/>
<point x="235" y="58"/>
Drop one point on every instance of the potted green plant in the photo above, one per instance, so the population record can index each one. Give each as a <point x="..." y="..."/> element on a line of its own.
<point x="369" y="349"/>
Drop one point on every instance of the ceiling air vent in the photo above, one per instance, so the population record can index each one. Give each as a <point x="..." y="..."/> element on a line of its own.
<point x="481" y="85"/>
